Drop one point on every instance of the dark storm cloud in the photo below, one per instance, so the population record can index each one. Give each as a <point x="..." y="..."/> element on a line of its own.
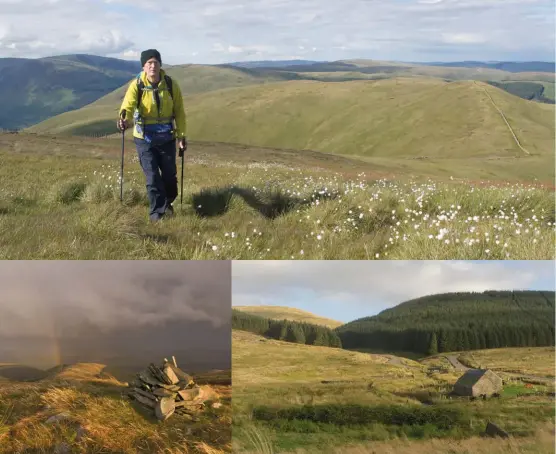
<point x="111" y="294"/>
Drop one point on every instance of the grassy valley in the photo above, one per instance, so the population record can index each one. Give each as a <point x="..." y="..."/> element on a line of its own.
<point x="295" y="398"/>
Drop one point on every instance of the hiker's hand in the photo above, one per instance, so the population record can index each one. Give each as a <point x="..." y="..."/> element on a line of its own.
<point x="122" y="124"/>
<point x="183" y="144"/>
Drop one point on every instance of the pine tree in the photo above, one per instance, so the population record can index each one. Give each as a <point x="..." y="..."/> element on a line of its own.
<point x="295" y="334"/>
<point x="284" y="325"/>
<point x="433" y="345"/>
<point x="321" y="338"/>
<point x="443" y="341"/>
<point x="334" y="340"/>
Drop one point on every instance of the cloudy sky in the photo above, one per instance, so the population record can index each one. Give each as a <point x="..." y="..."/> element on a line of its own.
<point x="347" y="290"/>
<point x="101" y="310"/>
<point x="218" y="31"/>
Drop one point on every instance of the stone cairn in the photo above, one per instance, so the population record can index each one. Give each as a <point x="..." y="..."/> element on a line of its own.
<point x="167" y="390"/>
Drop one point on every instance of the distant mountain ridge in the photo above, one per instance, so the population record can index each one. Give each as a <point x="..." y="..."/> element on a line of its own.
<point x="33" y="90"/>
<point x="272" y="63"/>
<point x="510" y="66"/>
<point x="513" y="67"/>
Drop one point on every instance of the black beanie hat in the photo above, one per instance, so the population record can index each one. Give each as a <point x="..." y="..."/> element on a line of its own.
<point x="148" y="54"/>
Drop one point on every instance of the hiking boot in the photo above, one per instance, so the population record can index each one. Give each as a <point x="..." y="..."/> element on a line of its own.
<point x="169" y="211"/>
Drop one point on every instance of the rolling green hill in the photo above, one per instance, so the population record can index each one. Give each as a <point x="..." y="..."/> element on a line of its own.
<point x="457" y="321"/>
<point x="36" y="89"/>
<point x="414" y="118"/>
<point x="98" y="117"/>
<point x="49" y="86"/>
<point x="288" y="313"/>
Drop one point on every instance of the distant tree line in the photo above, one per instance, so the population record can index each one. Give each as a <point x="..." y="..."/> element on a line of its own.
<point x="457" y="322"/>
<point x="286" y="330"/>
<point x="430" y="340"/>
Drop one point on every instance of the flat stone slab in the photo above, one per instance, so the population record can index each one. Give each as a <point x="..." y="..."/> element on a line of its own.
<point x="164" y="408"/>
<point x="189" y="394"/>
<point x="144" y="400"/>
<point x="169" y="371"/>
<point x="163" y="392"/>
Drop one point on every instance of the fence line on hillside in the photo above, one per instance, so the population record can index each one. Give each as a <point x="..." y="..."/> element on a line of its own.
<point x="504" y="118"/>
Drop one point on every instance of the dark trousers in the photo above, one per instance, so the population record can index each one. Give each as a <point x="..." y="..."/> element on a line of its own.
<point x="159" y="166"/>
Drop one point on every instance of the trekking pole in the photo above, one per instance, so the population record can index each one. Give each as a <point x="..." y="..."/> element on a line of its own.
<point x="122" y="164"/>
<point x="181" y="154"/>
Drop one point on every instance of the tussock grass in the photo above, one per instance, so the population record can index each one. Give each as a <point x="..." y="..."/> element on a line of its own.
<point x="99" y="419"/>
<point x="313" y="208"/>
<point x="541" y="443"/>
<point x="66" y="192"/>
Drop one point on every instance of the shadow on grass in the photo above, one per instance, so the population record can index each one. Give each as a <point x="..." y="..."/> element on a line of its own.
<point x="272" y="204"/>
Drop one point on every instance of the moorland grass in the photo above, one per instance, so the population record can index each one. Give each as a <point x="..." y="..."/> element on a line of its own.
<point x="62" y="202"/>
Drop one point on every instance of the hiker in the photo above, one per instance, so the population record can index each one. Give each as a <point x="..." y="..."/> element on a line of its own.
<point x="155" y="102"/>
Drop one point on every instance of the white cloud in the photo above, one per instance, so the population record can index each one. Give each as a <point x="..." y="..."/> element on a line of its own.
<point x="373" y="284"/>
<point x="131" y="53"/>
<point x="325" y="29"/>
<point x="463" y="38"/>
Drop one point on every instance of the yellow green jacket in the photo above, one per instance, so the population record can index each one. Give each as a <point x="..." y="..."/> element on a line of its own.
<point x="170" y="106"/>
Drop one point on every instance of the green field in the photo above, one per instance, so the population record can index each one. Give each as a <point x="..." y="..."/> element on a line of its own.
<point x="292" y="398"/>
<point x="60" y="200"/>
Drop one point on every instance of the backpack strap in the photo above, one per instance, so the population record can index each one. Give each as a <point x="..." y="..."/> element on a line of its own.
<point x="140" y="90"/>
<point x="168" y="80"/>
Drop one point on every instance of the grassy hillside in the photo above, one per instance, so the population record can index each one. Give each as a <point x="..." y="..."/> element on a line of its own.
<point x="49" y="86"/>
<point x="96" y="417"/>
<point x="275" y="383"/>
<point x="395" y="118"/>
<point x="538" y="361"/>
<point x="458" y="321"/>
<point x="98" y="117"/>
<point x="288" y="313"/>
<point x="33" y="90"/>
<point x="61" y="200"/>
